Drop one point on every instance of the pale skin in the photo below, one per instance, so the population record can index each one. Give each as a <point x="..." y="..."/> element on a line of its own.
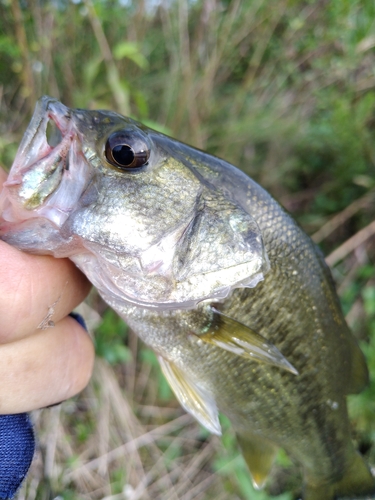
<point x="40" y="367"/>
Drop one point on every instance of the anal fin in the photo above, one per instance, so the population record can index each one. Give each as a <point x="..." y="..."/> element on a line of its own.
<point x="196" y="400"/>
<point x="259" y="455"/>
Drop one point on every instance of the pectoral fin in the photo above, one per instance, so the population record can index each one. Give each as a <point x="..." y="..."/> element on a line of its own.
<point x="259" y="455"/>
<point x="196" y="400"/>
<point x="239" y="339"/>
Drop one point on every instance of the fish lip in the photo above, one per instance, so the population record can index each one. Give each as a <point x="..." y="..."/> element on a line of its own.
<point x="50" y="105"/>
<point x="58" y="112"/>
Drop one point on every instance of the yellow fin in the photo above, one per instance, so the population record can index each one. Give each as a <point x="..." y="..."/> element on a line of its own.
<point x="259" y="455"/>
<point x="196" y="400"/>
<point x="239" y="339"/>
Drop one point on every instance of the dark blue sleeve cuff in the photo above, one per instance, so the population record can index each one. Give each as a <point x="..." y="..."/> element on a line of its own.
<point x="79" y="319"/>
<point x="17" y="446"/>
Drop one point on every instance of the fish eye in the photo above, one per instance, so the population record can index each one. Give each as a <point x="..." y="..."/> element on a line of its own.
<point x="126" y="150"/>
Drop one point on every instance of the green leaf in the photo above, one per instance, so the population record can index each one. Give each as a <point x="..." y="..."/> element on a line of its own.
<point x="130" y="50"/>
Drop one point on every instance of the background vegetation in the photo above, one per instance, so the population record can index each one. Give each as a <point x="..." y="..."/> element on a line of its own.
<point x="284" y="89"/>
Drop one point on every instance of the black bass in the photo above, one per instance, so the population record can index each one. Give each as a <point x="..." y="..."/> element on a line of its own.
<point x="210" y="272"/>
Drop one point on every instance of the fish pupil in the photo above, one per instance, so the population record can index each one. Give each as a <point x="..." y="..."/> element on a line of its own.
<point x="123" y="155"/>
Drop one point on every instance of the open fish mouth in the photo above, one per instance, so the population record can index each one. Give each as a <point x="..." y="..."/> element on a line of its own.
<point x="36" y="145"/>
<point x="49" y="170"/>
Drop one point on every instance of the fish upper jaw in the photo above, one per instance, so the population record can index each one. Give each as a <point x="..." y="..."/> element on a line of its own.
<point x="44" y="180"/>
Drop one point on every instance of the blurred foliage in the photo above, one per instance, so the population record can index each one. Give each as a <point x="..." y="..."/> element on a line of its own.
<point x="110" y="339"/>
<point x="284" y="89"/>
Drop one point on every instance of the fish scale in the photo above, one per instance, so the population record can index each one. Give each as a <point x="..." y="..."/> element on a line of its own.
<point x="208" y="270"/>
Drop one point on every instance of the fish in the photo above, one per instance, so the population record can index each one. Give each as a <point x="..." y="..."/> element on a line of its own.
<point x="210" y="272"/>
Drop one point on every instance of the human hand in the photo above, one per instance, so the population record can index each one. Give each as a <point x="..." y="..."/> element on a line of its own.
<point x="40" y="367"/>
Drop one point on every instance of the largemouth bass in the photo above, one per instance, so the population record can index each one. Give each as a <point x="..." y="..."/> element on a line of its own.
<point x="210" y="272"/>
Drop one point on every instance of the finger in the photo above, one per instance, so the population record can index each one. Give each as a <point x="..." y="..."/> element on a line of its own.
<point x="35" y="290"/>
<point x="45" y="368"/>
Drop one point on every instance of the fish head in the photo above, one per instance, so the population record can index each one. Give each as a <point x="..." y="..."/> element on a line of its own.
<point x="130" y="207"/>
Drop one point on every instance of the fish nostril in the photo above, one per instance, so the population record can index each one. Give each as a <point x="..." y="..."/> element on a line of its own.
<point x="53" y="134"/>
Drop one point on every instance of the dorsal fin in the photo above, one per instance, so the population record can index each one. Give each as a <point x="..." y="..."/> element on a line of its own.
<point x="196" y="400"/>
<point x="233" y="336"/>
<point x="259" y="455"/>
